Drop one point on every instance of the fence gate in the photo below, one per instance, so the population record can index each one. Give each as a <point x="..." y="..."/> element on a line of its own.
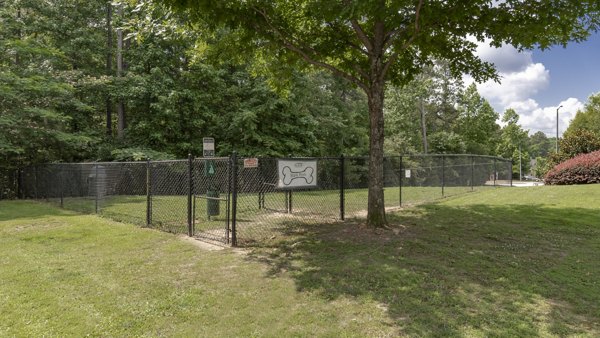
<point x="210" y="186"/>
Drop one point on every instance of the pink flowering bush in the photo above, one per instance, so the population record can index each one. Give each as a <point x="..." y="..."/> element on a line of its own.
<point x="581" y="169"/>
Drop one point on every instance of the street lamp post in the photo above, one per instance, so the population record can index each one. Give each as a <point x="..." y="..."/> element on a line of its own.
<point x="557" y="127"/>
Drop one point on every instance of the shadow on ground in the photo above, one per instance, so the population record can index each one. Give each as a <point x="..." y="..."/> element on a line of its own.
<point x="479" y="270"/>
<point x="13" y="210"/>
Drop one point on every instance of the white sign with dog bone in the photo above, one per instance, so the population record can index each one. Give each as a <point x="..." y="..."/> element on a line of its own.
<point x="299" y="173"/>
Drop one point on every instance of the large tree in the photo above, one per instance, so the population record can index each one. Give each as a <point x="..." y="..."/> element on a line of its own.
<point x="513" y="140"/>
<point x="372" y="42"/>
<point x="476" y="123"/>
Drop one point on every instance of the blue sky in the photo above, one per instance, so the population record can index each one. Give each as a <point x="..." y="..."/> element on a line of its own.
<point x="535" y="83"/>
<point x="574" y="71"/>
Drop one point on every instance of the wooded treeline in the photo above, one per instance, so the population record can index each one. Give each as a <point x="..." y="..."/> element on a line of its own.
<point x="96" y="80"/>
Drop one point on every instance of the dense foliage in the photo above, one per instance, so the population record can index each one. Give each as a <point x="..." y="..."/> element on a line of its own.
<point x="513" y="141"/>
<point x="373" y="43"/>
<point x="435" y="113"/>
<point x="581" y="169"/>
<point x="129" y="80"/>
<point x="58" y="94"/>
<point x="589" y="117"/>
<point x="574" y="142"/>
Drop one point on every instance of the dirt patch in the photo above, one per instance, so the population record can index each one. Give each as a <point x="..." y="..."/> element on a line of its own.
<point x="358" y="231"/>
<point x="208" y="245"/>
<point x="204" y="245"/>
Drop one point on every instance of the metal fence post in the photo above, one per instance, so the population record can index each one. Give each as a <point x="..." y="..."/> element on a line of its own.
<point x="96" y="186"/>
<point x="20" y="183"/>
<point x="261" y="193"/>
<point x="472" y="172"/>
<point x="443" y="173"/>
<point x="35" y="183"/>
<point x="496" y="174"/>
<point x="400" y="175"/>
<point x="289" y="201"/>
<point x="288" y="196"/>
<point x="60" y="185"/>
<point x="189" y="197"/>
<point x="228" y="213"/>
<point x="234" y="200"/>
<point x="148" y="193"/>
<point x="342" y="184"/>
<point x="511" y="178"/>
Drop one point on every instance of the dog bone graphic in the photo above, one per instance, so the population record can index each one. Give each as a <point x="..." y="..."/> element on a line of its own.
<point x="289" y="175"/>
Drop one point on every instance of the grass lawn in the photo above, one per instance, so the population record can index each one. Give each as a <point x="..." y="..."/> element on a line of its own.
<point x="169" y="213"/>
<point x="501" y="262"/>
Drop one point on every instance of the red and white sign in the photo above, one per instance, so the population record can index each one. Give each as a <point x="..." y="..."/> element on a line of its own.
<point x="250" y="163"/>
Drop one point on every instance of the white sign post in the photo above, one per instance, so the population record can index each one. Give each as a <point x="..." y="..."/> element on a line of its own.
<point x="299" y="173"/>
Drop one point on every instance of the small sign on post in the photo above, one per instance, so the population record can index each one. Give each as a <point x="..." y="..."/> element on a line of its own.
<point x="407" y="173"/>
<point x="251" y="162"/>
<point x="208" y="147"/>
<point x="209" y="168"/>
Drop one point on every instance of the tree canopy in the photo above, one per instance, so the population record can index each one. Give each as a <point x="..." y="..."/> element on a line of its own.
<point x="589" y="117"/>
<point x="238" y="71"/>
<point x="372" y="42"/>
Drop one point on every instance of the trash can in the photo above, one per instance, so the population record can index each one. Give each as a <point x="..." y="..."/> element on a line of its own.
<point x="212" y="205"/>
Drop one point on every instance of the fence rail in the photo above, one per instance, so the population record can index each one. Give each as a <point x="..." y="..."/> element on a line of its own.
<point x="224" y="200"/>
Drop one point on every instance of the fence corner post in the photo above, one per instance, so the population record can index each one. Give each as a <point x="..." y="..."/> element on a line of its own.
<point x="342" y="188"/>
<point x="96" y="186"/>
<point x="189" y="197"/>
<point x="234" y="199"/>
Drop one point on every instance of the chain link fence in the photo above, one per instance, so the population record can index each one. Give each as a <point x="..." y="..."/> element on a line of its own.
<point x="241" y="201"/>
<point x="8" y="183"/>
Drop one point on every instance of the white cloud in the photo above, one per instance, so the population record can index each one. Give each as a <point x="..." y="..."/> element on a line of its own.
<point x="520" y="80"/>
<point x="516" y="86"/>
<point x="543" y="119"/>
<point x="507" y="59"/>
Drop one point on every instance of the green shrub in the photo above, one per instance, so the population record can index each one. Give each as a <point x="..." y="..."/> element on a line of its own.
<point x="576" y="142"/>
<point x="580" y="141"/>
<point x="581" y="169"/>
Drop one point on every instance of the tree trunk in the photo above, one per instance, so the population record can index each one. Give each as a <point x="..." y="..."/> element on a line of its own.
<point x="120" y="105"/>
<point x="376" y="206"/>
<point x="109" y="46"/>
<point x="423" y="127"/>
<point x="17" y="59"/>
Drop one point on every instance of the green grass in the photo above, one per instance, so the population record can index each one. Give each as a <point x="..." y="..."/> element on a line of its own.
<point x="504" y="262"/>
<point x="169" y="213"/>
<point x="501" y="262"/>
<point x="65" y="274"/>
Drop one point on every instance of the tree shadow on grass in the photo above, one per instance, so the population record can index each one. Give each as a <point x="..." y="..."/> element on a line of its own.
<point x="27" y="209"/>
<point x="479" y="270"/>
